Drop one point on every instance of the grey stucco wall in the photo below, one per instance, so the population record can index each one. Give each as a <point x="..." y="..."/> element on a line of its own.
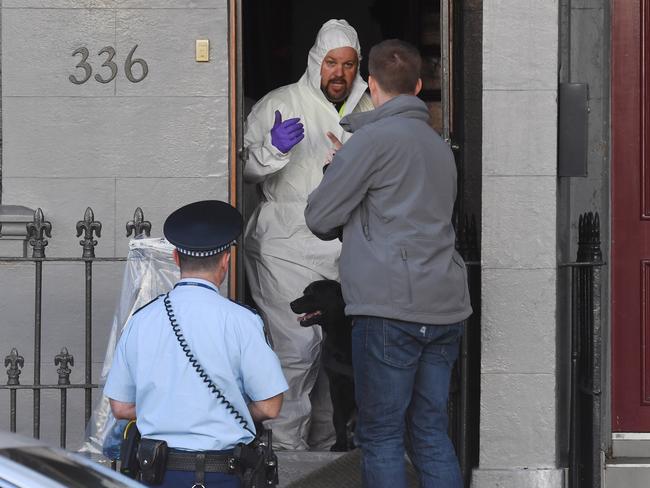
<point x="155" y="144"/>
<point x="518" y="372"/>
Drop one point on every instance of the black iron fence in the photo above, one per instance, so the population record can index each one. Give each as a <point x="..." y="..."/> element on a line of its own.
<point x="464" y="391"/>
<point x="464" y="395"/>
<point x="37" y="231"/>
<point x="586" y="356"/>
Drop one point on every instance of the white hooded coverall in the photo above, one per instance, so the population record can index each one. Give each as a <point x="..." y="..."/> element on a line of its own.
<point x="282" y="256"/>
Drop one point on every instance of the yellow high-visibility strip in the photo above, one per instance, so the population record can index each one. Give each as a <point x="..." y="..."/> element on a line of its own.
<point x="341" y="110"/>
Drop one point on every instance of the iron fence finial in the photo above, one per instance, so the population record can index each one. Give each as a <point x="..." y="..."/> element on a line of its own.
<point x="15" y="361"/>
<point x="88" y="226"/>
<point x="138" y="225"/>
<point x="589" y="238"/>
<point x="64" y="359"/>
<point x="35" y="232"/>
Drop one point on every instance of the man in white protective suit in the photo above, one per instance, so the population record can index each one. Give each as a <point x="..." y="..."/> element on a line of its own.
<point x="287" y="144"/>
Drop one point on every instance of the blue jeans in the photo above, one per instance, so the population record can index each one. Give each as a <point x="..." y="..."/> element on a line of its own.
<point x="401" y="374"/>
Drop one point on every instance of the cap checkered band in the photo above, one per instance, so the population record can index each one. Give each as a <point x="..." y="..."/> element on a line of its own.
<point x="205" y="254"/>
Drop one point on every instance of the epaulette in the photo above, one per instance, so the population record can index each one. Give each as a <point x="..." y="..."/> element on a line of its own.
<point x="267" y="335"/>
<point x="147" y="304"/>
<point x="247" y="307"/>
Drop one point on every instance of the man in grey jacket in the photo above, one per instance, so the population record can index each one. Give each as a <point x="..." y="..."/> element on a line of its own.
<point x="391" y="189"/>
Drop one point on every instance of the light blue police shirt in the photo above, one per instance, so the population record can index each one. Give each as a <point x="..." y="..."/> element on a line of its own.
<point x="172" y="403"/>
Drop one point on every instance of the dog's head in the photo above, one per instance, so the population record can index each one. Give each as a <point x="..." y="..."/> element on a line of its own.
<point x="321" y="303"/>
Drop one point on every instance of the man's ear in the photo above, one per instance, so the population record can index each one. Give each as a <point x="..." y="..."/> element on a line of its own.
<point x="418" y="86"/>
<point x="225" y="259"/>
<point x="372" y="83"/>
<point x="177" y="259"/>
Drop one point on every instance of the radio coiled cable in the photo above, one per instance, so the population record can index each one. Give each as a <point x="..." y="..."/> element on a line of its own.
<point x="199" y="369"/>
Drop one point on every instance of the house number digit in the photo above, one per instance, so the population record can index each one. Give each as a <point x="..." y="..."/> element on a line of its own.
<point x="128" y="64"/>
<point x="108" y="64"/>
<point x="82" y="64"/>
<point x="110" y="53"/>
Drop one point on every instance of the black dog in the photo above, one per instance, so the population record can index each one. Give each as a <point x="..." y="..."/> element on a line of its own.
<point x="322" y="303"/>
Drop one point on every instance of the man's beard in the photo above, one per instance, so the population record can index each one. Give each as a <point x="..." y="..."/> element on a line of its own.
<point x="332" y="98"/>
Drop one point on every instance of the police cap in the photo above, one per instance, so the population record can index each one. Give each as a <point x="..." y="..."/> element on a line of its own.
<point x="203" y="228"/>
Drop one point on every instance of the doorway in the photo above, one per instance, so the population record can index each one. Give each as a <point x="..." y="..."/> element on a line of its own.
<point x="276" y="38"/>
<point x="274" y="41"/>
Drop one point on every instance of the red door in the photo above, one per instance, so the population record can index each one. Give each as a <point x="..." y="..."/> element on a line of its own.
<point x="631" y="215"/>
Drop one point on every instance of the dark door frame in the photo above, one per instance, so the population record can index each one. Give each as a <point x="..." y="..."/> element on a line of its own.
<point x="236" y="130"/>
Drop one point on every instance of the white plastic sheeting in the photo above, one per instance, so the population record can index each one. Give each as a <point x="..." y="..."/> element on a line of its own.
<point x="150" y="271"/>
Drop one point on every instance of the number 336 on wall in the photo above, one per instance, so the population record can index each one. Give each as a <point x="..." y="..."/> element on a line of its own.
<point x="110" y="65"/>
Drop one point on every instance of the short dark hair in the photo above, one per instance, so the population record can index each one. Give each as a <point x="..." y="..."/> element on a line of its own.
<point x="395" y="65"/>
<point x="195" y="263"/>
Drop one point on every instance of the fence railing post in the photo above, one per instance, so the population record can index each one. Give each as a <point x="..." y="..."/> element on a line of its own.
<point x="464" y="398"/>
<point x="64" y="359"/>
<point x="36" y="231"/>
<point x="586" y="357"/>
<point x="88" y="226"/>
<point x="15" y="362"/>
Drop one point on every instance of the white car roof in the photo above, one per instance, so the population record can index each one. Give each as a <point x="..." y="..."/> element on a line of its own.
<point x="18" y="475"/>
<point x="24" y="476"/>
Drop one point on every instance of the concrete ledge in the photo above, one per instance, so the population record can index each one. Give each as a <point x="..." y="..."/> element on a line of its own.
<point x="631" y="445"/>
<point x="627" y="473"/>
<point x="518" y="478"/>
<point x="13" y="220"/>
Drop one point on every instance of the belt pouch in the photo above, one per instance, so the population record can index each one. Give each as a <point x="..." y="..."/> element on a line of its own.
<point x="152" y="457"/>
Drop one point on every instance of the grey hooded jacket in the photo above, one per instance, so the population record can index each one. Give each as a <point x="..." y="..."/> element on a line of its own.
<point x="392" y="188"/>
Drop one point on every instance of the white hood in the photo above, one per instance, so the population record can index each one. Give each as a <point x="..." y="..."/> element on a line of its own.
<point x="332" y="35"/>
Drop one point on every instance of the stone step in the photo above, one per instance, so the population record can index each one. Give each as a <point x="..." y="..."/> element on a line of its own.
<point x="627" y="472"/>
<point x="309" y="469"/>
<point x="631" y="445"/>
<point x="294" y="465"/>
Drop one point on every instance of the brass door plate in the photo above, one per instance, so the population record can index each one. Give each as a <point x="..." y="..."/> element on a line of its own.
<point x="202" y="50"/>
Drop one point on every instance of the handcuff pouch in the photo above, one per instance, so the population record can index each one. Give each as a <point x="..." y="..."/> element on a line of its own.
<point x="152" y="457"/>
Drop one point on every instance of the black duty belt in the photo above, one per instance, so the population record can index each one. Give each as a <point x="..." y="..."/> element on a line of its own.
<point x="209" y="463"/>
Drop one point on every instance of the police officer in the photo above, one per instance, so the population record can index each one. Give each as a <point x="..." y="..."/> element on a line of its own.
<point x="152" y="376"/>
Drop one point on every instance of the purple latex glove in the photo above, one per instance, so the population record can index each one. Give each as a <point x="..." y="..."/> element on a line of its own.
<point x="285" y="135"/>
